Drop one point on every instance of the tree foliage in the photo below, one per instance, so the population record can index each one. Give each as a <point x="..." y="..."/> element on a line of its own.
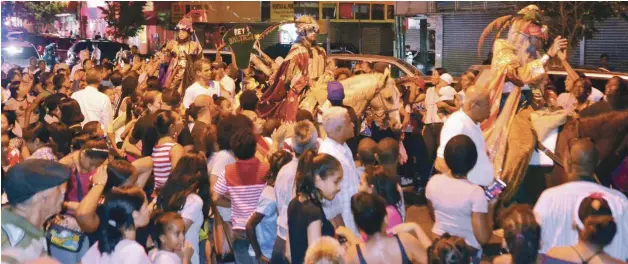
<point x="44" y="13"/>
<point x="125" y="19"/>
<point x="576" y="19"/>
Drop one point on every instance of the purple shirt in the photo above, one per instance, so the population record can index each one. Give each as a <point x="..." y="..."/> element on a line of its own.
<point x="72" y="194"/>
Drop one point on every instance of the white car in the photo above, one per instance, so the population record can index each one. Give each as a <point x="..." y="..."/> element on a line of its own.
<point x="17" y="53"/>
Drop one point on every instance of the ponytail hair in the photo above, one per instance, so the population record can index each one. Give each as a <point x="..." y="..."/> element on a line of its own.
<point x="163" y="122"/>
<point x="384" y="183"/>
<point x="117" y="215"/>
<point x="277" y="161"/>
<point x="521" y="232"/>
<point x="61" y="139"/>
<point x="311" y="165"/>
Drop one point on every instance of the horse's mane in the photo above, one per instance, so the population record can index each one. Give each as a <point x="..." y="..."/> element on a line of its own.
<point x="361" y="87"/>
<point x="604" y="125"/>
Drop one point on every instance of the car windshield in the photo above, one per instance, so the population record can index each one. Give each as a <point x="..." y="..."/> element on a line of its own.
<point x="16" y="52"/>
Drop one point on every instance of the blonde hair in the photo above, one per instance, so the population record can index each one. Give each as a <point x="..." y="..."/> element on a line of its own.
<point x="326" y="250"/>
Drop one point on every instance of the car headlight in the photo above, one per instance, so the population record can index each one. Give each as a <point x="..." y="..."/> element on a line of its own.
<point x="12" y="50"/>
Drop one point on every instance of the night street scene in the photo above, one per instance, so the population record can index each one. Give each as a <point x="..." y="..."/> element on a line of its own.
<point x="316" y="132"/>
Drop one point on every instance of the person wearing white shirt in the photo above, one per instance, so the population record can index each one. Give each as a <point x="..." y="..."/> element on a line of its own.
<point x="228" y="84"/>
<point x="306" y="138"/>
<point x="95" y="53"/>
<point x="95" y="106"/>
<point x="475" y="109"/>
<point x="555" y="209"/>
<point x="596" y="95"/>
<point x="203" y="84"/>
<point x="339" y="129"/>
<point x="83" y="55"/>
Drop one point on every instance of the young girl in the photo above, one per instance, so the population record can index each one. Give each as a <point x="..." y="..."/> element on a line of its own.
<point x="318" y="177"/>
<point x="261" y="229"/>
<point x="173" y="249"/>
<point x="377" y="181"/>
<point x="125" y="209"/>
<point x="187" y="192"/>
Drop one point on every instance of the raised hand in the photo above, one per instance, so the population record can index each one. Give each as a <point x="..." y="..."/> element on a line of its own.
<point x="559" y="43"/>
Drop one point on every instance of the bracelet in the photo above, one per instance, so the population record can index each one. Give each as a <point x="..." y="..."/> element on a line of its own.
<point x="96" y="184"/>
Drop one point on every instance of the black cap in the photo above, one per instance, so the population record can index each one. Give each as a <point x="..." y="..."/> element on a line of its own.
<point x="31" y="176"/>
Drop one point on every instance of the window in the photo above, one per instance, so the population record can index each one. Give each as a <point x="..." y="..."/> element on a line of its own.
<point x="346" y="10"/>
<point x="390" y="12"/>
<point x="378" y="12"/>
<point x="362" y="11"/>
<point x="329" y="10"/>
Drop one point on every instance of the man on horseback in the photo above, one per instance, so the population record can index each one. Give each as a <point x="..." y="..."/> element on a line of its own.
<point x="302" y="67"/>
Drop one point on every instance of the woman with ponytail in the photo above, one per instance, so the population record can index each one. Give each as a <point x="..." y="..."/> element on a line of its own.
<point x="60" y="139"/>
<point x="596" y="229"/>
<point x="124" y="210"/>
<point x="166" y="152"/>
<point x="318" y="177"/>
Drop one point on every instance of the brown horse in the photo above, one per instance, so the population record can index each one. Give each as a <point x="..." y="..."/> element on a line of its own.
<point x="609" y="132"/>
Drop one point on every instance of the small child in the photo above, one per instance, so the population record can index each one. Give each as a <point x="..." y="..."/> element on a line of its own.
<point x="446" y="94"/>
<point x="170" y="234"/>
<point x="367" y="149"/>
<point x="381" y="182"/>
<point x="93" y="129"/>
<point x="261" y="229"/>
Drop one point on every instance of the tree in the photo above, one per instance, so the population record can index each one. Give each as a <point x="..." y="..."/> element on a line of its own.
<point x="43" y="13"/>
<point x="576" y="19"/>
<point x="125" y="19"/>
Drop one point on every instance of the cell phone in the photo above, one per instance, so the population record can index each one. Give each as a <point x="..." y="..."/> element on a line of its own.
<point x="494" y="189"/>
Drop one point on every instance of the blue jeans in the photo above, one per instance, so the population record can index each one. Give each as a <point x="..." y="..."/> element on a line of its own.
<point x="241" y="250"/>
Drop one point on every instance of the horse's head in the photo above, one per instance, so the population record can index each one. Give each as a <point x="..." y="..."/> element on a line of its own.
<point x="386" y="103"/>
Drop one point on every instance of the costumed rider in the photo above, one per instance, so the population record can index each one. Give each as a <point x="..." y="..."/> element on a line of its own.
<point x="183" y="50"/>
<point x="518" y="65"/>
<point x="301" y="68"/>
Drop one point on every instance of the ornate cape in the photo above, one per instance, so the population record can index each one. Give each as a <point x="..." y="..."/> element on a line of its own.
<point x="301" y="68"/>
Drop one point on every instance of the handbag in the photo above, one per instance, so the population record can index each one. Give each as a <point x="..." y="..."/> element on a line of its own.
<point x="63" y="231"/>
<point x="222" y="236"/>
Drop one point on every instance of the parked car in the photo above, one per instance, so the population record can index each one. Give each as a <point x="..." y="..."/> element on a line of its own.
<point x="558" y="75"/>
<point x="107" y="48"/>
<point x="399" y="68"/>
<point x="18" y="53"/>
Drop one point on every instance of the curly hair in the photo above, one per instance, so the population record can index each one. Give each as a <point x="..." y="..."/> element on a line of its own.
<point x="521" y="232"/>
<point x="449" y="249"/>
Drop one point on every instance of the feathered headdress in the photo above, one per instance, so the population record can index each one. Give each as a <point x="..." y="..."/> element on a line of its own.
<point x="185" y="24"/>
<point x="527" y="21"/>
<point x="305" y="23"/>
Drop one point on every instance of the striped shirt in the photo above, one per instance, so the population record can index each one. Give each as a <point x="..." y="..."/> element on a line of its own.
<point x="162" y="165"/>
<point x="244" y="182"/>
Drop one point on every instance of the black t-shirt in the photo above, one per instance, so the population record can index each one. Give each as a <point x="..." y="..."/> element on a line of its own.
<point x="300" y="216"/>
<point x="145" y="131"/>
<point x="185" y="137"/>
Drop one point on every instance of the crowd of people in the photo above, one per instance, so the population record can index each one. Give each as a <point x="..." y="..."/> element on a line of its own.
<point x="108" y="163"/>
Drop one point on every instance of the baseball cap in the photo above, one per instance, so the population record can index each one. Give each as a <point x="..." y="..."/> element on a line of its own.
<point x="447" y="78"/>
<point x="31" y="176"/>
<point x="335" y="91"/>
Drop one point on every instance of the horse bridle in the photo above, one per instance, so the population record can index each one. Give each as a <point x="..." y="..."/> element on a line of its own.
<point x="386" y="111"/>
